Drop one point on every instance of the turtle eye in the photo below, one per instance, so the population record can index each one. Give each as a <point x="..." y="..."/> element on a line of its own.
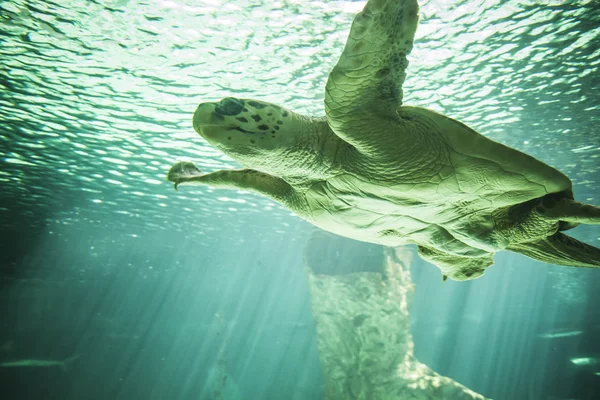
<point x="229" y="107"/>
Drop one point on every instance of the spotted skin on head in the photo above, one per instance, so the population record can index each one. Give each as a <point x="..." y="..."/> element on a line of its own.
<point x="234" y="121"/>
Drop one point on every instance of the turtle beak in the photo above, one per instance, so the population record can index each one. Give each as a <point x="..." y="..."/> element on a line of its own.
<point x="216" y="121"/>
<point x="214" y="115"/>
<point x="203" y="116"/>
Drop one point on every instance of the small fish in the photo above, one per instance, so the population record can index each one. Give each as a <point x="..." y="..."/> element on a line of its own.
<point x="32" y="363"/>
<point x="560" y="334"/>
<point x="586" y="361"/>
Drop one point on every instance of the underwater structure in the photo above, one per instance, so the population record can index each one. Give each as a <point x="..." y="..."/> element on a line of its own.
<point x="361" y="312"/>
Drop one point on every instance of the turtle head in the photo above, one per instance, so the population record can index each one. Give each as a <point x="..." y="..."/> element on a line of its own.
<point x="257" y="134"/>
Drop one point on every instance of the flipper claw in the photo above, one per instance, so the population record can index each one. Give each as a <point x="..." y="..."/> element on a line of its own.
<point x="183" y="171"/>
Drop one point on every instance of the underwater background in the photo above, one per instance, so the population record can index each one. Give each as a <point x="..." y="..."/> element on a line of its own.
<point x="152" y="293"/>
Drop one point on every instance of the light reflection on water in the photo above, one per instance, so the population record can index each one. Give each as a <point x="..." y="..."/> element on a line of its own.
<point x="98" y="98"/>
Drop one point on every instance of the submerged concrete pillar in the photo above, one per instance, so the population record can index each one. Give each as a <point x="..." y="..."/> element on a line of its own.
<point x="363" y="330"/>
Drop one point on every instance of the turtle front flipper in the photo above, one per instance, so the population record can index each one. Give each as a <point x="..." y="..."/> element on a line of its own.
<point x="370" y="73"/>
<point x="182" y="172"/>
<point x="560" y="249"/>
<point x="186" y="173"/>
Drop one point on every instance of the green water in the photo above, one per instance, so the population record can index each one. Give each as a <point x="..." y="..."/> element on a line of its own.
<point x="101" y="257"/>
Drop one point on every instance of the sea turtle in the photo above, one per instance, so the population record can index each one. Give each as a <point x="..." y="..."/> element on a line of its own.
<point x="378" y="171"/>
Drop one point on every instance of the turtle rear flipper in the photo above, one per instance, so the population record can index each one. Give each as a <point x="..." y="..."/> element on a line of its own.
<point x="569" y="211"/>
<point x="456" y="267"/>
<point x="560" y="249"/>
